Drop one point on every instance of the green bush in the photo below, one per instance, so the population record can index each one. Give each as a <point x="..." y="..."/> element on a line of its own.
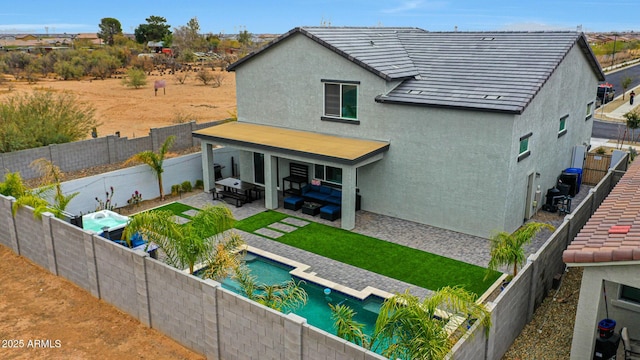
<point x="176" y="189"/>
<point x="186" y="186"/>
<point x="136" y="78"/>
<point x="67" y="70"/>
<point x="199" y="184"/>
<point x="42" y="118"/>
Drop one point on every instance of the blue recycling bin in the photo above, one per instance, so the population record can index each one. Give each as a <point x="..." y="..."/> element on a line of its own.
<point x="575" y="171"/>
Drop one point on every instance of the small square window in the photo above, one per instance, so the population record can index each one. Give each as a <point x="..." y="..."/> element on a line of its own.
<point x="562" y="129"/>
<point x="341" y="100"/>
<point x="524" y="146"/>
<point x="630" y="294"/>
<point x="589" y="111"/>
<point x="524" y="151"/>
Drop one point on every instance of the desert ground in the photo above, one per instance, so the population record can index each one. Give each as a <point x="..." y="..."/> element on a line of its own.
<point x="36" y="305"/>
<point x="133" y="112"/>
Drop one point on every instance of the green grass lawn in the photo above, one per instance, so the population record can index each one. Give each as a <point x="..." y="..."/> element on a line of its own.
<point x="177" y="209"/>
<point x="403" y="263"/>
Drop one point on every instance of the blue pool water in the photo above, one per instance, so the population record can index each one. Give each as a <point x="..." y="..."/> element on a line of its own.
<point x="316" y="310"/>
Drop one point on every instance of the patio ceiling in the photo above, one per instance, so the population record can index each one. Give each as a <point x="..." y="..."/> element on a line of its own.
<point x="302" y="143"/>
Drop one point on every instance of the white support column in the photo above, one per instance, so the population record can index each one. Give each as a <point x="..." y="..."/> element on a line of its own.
<point x="208" y="175"/>
<point x="348" y="208"/>
<point x="585" y="329"/>
<point x="270" y="182"/>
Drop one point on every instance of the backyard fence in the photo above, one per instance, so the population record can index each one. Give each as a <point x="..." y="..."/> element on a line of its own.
<point x="514" y="307"/>
<point x="111" y="149"/>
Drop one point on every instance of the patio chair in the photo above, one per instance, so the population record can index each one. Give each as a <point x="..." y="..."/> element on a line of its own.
<point x="631" y="347"/>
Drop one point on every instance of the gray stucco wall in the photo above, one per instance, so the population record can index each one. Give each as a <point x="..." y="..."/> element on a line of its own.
<point x="567" y="92"/>
<point x="447" y="168"/>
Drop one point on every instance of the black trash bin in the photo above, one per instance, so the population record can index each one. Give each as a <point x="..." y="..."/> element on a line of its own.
<point x="570" y="179"/>
<point x="549" y="205"/>
<point x="607" y="341"/>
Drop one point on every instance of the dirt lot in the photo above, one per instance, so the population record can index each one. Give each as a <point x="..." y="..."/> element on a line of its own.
<point x="36" y="305"/>
<point x="134" y="111"/>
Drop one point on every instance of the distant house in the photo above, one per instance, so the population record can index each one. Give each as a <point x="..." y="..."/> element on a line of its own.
<point x="608" y="248"/>
<point x="452" y="129"/>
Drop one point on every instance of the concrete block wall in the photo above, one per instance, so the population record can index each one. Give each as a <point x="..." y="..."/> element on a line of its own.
<point x="7" y="229"/>
<point x="320" y="345"/>
<point x="509" y="314"/>
<point x="74" y="254"/>
<point x="100" y="151"/>
<point x="176" y="305"/>
<point x="545" y="264"/>
<point x="116" y="268"/>
<point x="18" y="161"/>
<point x="472" y="346"/>
<point x="248" y="330"/>
<point x="32" y="238"/>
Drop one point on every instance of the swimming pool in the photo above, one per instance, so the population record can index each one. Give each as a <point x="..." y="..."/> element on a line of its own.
<point x="316" y="310"/>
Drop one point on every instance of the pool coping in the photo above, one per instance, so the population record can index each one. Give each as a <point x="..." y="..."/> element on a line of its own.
<point x="299" y="271"/>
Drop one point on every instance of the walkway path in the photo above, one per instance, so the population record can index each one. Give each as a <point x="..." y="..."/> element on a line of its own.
<point x="454" y="245"/>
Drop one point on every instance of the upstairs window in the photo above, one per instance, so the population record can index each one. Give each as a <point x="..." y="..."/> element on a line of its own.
<point x="524" y="147"/>
<point x="563" y="126"/>
<point x="589" y="111"/>
<point x="341" y="99"/>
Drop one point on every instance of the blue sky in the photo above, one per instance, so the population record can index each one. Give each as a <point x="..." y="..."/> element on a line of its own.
<point x="74" y="16"/>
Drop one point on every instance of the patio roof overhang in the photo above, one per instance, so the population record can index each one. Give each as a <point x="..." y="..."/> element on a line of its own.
<point x="330" y="148"/>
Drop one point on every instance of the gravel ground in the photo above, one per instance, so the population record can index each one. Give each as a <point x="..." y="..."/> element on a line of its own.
<point x="549" y="334"/>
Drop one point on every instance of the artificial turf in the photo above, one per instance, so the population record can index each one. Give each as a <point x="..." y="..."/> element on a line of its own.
<point x="403" y="263"/>
<point x="177" y="209"/>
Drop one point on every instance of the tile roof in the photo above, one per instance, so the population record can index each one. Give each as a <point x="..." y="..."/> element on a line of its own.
<point x="612" y="234"/>
<point x="487" y="71"/>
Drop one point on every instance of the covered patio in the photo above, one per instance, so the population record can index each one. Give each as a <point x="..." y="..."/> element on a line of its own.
<point x="275" y="144"/>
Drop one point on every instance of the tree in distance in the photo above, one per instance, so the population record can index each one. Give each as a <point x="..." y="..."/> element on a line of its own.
<point x="109" y="27"/>
<point x="156" y="29"/>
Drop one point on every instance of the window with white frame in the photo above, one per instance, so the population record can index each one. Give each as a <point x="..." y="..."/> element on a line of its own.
<point x="630" y="294"/>
<point x="341" y="100"/>
<point x="524" y="147"/>
<point x="562" y="129"/>
<point x="589" y="111"/>
<point x="328" y="173"/>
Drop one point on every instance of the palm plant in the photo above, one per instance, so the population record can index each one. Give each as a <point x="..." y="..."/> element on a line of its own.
<point x="507" y="249"/>
<point x="52" y="176"/>
<point x="408" y="328"/>
<point x="187" y="244"/>
<point x="155" y="160"/>
<point x="287" y="295"/>
<point x="35" y="198"/>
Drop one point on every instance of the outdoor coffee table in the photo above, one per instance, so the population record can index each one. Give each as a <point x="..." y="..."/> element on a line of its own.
<point x="311" y="208"/>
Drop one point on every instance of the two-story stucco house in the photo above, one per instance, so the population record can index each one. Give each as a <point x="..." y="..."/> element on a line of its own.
<point x="452" y="129"/>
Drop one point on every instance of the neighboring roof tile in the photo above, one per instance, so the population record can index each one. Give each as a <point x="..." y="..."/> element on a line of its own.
<point x="613" y="232"/>
<point x="488" y="71"/>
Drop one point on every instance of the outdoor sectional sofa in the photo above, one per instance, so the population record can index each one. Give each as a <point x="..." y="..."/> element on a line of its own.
<point x="322" y="194"/>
